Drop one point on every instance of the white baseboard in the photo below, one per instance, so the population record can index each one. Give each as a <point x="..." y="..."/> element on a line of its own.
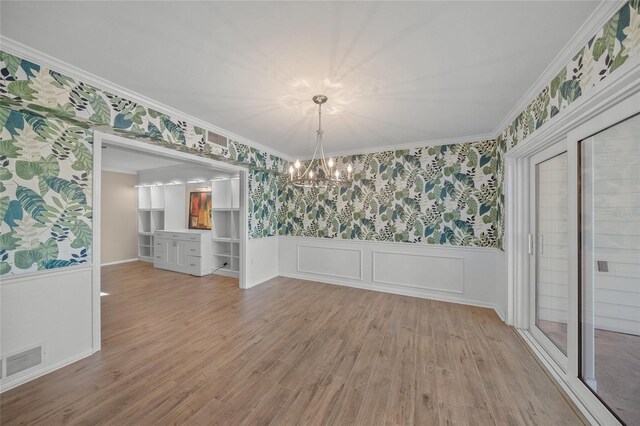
<point x="264" y="280"/>
<point x="117" y="262"/>
<point x="464" y="275"/>
<point x="402" y="291"/>
<point x="225" y="273"/>
<point x="556" y="375"/>
<point x="10" y="384"/>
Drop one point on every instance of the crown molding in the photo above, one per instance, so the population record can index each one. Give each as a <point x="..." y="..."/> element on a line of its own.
<point x="16" y="48"/>
<point x="411" y="145"/>
<point x="605" y="10"/>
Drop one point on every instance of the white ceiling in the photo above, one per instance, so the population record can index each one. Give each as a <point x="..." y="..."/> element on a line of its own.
<point x="152" y="168"/>
<point x="395" y="72"/>
<point x="131" y="161"/>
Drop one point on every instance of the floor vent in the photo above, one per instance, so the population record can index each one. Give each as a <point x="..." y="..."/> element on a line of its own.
<point x="23" y="360"/>
<point x="217" y="139"/>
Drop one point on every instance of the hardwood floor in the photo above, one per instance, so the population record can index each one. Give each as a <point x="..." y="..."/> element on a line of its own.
<point x="617" y="368"/>
<point x="185" y="350"/>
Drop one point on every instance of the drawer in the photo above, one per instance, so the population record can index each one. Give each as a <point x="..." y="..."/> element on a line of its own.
<point x="193" y="249"/>
<point x="193" y="263"/>
<point x="178" y="236"/>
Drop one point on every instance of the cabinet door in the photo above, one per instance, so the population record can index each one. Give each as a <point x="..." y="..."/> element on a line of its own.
<point x="181" y="254"/>
<point x="172" y="252"/>
<point x="176" y="254"/>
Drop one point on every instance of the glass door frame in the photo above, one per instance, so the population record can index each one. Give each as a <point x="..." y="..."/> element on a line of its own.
<point x="606" y="105"/>
<point x="534" y="242"/>
<point x="606" y="119"/>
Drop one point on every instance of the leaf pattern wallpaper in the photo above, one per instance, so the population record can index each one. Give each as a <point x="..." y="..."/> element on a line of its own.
<point x="436" y="195"/>
<point x="616" y="42"/>
<point x="46" y="110"/>
<point x="45" y="193"/>
<point x="605" y="52"/>
<point x="450" y="194"/>
<point x="263" y="195"/>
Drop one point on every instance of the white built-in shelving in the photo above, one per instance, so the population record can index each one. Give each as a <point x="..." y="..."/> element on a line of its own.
<point x="150" y="218"/>
<point x="225" y="235"/>
<point x="159" y="207"/>
<point x="164" y="207"/>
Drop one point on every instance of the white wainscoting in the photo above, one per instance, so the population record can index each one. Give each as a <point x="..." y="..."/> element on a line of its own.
<point x="49" y="308"/>
<point x="335" y="262"/>
<point x="262" y="260"/>
<point x="455" y="274"/>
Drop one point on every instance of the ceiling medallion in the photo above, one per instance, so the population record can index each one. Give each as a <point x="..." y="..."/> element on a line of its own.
<point x="319" y="173"/>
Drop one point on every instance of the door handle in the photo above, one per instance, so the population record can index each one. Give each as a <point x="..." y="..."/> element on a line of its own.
<point x="530" y="243"/>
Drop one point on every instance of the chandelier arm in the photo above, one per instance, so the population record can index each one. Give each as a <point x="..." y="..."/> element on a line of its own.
<point x="318" y="181"/>
<point x="325" y="167"/>
<point x="310" y="162"/>
<point x="318" y="142"/>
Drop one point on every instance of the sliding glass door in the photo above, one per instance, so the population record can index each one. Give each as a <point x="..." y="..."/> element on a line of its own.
<point x="609" y="269"/>
<point x="548" y="251"/>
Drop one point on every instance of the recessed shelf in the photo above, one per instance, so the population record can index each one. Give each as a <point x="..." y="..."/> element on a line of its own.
<point x="225" y="240"/>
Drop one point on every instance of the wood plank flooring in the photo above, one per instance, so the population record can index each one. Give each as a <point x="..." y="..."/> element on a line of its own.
<point x="185" y="350"/>
<point x="617" y="368"/>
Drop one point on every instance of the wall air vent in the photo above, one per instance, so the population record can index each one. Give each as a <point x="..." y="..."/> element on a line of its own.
<point x="23" y="361"/>
<point x="217" y="139"/>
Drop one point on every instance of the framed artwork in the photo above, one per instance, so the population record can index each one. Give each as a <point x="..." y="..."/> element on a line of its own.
<point x="200" y="210"/>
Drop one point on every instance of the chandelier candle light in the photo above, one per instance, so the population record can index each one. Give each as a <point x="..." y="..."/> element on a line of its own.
<point x="319" y="173"/>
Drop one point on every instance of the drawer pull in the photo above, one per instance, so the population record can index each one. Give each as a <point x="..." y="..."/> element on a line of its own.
<point x="192" y="264"/>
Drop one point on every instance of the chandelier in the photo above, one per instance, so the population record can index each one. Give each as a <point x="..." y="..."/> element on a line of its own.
<point x="319" y="173"/>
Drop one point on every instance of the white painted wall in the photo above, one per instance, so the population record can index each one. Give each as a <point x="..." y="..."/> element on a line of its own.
<point x="119" y="205"/>
<point x="52" y="308"/>
<point x="456" y="274"/>
<point x="262" y="260"/>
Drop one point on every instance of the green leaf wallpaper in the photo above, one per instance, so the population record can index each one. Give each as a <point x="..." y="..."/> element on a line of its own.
<point x="444" y="194"/>
<point x="616" y="42"/>
<point x="606" y="51"/>
<point x="263" y="194"/>
<point x="45" y="193"/>
<point x="52" y="102"/>
<point x="449" y="194"/>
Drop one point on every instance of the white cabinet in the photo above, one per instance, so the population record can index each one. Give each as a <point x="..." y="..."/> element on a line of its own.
<point x="186" y="251"/>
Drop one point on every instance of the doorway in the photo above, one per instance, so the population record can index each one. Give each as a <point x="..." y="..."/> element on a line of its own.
<point x="161" y="189"/>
